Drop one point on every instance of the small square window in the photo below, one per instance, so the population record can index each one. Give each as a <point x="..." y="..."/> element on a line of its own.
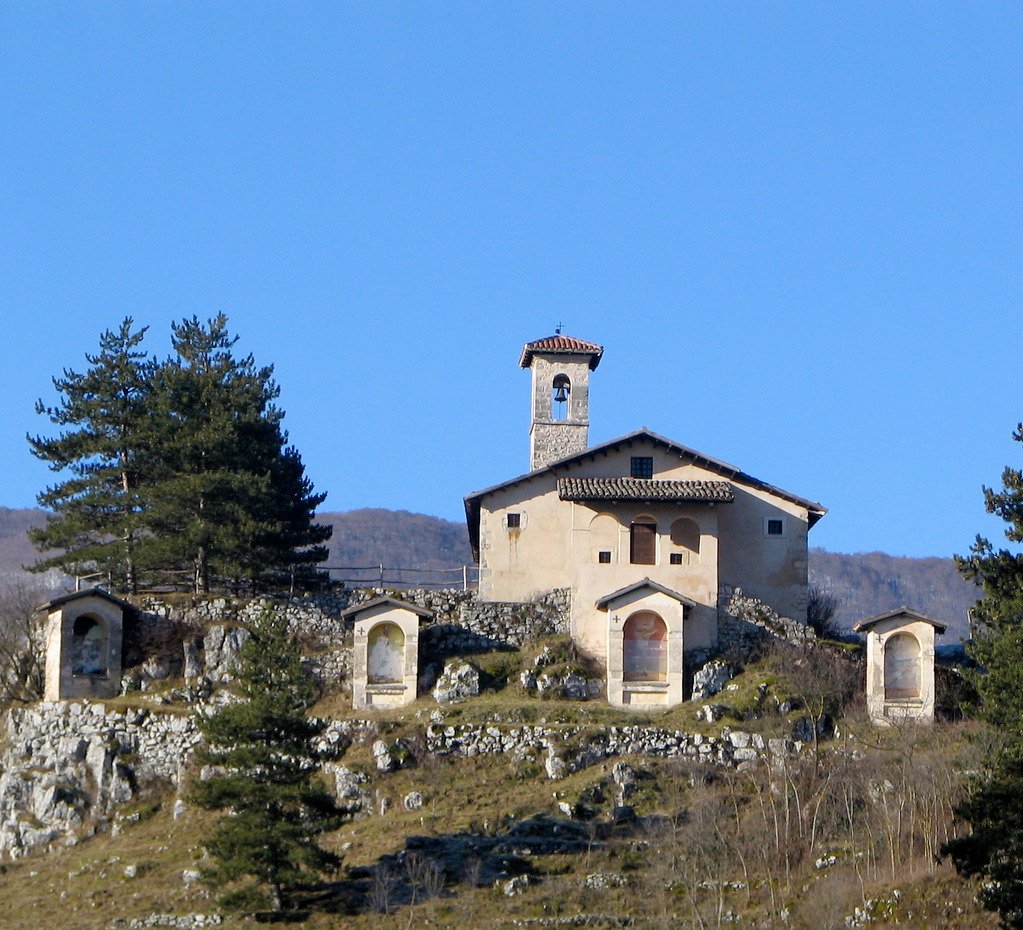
<point x="676" y="558"/>
<point x="514" y="521"/>
<point x="775" y="527"/>
<point x="642" y="466"/>
<point x="604" y="557"/>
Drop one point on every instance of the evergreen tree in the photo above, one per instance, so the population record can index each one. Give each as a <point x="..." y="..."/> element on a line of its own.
<point x="994" y="849"/>
<point x="97" y="514"/>
<point x="232" y="500"/>
<point x="264" y="748"/>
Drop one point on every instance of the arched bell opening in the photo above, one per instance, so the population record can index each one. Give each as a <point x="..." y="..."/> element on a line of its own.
<point x="561" y="390"/>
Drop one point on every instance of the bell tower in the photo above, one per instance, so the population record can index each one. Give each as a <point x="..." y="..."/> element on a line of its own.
<point x="560" y="421"/>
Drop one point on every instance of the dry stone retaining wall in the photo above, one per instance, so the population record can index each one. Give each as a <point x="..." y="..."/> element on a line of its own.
<point x="573" y="749"/>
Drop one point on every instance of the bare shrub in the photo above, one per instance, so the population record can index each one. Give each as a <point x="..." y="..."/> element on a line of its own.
<point x="22" y="646"/>
<point x="821" y="608"/>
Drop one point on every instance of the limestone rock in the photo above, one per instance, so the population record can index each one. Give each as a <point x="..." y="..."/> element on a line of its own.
<point x="515" y="886"/>
<point x="383" y="758"/>
<point x="711" y="679"/>
<point x="458" y="682"/>
<point x="413" y="801"/>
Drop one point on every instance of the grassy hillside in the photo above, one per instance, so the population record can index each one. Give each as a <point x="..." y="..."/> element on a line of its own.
<point x="799" y="846"/>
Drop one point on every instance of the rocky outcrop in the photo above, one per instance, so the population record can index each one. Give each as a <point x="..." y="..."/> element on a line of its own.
<point x="570" y="749"/>
<point x="68" y="765"/>
<point x="711" y="678"/>
<point x="458" y="682"/>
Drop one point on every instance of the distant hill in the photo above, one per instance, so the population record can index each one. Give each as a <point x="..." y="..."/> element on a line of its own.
<point x="865" y="583"/>
<point x="870" y="583"/>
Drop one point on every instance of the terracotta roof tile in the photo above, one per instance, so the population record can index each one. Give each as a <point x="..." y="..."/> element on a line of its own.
<point x="642" y="489"/>
<point x="559" y="344"/>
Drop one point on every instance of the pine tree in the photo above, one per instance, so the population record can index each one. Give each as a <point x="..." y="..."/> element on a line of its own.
<point x="993" y="851"/>
<point x="97" y="514"/>
<point x="233" y="501"/>
<point x="264" y="748"/>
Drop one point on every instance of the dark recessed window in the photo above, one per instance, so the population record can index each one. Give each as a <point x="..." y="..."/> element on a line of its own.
<point x="642" y="466"/>
<point x="604" y="556"/>
<point x="514" y="521"/>
<point x="775" y="528"/>
<point x="676" y="558"/>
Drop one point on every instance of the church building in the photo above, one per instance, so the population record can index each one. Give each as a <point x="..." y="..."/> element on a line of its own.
<point x="647" y="534"/>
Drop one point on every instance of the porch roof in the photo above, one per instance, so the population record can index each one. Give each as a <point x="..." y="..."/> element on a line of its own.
<point x="644" y="489"/>
<point x="608" y="599"/>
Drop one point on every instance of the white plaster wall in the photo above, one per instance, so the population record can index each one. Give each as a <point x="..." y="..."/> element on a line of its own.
<point x="552" y="549"/>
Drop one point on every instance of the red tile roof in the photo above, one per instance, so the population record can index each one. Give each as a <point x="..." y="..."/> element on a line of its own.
<point x="561" y="345"/>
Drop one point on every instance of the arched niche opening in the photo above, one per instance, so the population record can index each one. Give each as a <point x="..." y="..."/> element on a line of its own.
<point x="603" y="538"/>
<point x="561" y="391"/>
<point x="901" y="667"/>
<point x="88" y="647"/>
<point x="385" y="655"/>
<point x="685" y="541"/>
<point x="643" y="541"/>
<point x="645" y="642"/>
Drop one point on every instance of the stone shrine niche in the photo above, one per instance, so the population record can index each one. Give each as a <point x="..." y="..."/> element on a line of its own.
<point x="900" y="666"/>
<point x="88" y="647"/>
<point x="84" y="645"/>
<point x="385" y="654"/>
<point x="645" y="645"/>
<point x="385" y="666"/>
<point x="645" y="648"/>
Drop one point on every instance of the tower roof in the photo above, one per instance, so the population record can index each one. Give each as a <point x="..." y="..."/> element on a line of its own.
<point x="561" y="345"/>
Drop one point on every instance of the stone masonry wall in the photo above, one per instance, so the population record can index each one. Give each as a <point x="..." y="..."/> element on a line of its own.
<point x="214" y="628"/>
<point x="744" y="622"/>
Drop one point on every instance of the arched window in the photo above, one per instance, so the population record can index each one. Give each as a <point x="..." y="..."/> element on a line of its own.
<point x="561" y="389"/>
<point x="385" y="657"/>
<point x="645" y="648"/>
<point x="901" y="667"/>
<point x="685" y="542"/>
<point x="643" y="541"/>
<point x="88" y="647"/>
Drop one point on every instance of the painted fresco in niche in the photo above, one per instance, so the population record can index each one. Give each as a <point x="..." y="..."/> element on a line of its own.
<point x="87" y="657"/>
<point x="385" y="658"/>
<point x="901" y="667"/>
<point x="645" y="648"/>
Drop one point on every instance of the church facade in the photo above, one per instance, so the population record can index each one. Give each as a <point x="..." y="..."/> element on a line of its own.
<point x="646" y="533"/>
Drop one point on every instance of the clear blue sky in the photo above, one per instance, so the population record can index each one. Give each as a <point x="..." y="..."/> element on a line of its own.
<point x="796" y="229"/>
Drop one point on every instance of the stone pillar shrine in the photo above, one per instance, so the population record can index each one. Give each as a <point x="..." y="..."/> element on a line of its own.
<point x="385" y="666"/>
<point x="900" y="666"/>
<point x="84" y="640"/>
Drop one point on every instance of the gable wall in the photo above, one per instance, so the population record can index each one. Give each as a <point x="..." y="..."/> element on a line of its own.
<point x="555" y="548"/>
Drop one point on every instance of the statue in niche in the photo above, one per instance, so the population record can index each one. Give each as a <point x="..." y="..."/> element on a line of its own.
<point x="88" y="656"/>
<point x="385" y="655"/>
